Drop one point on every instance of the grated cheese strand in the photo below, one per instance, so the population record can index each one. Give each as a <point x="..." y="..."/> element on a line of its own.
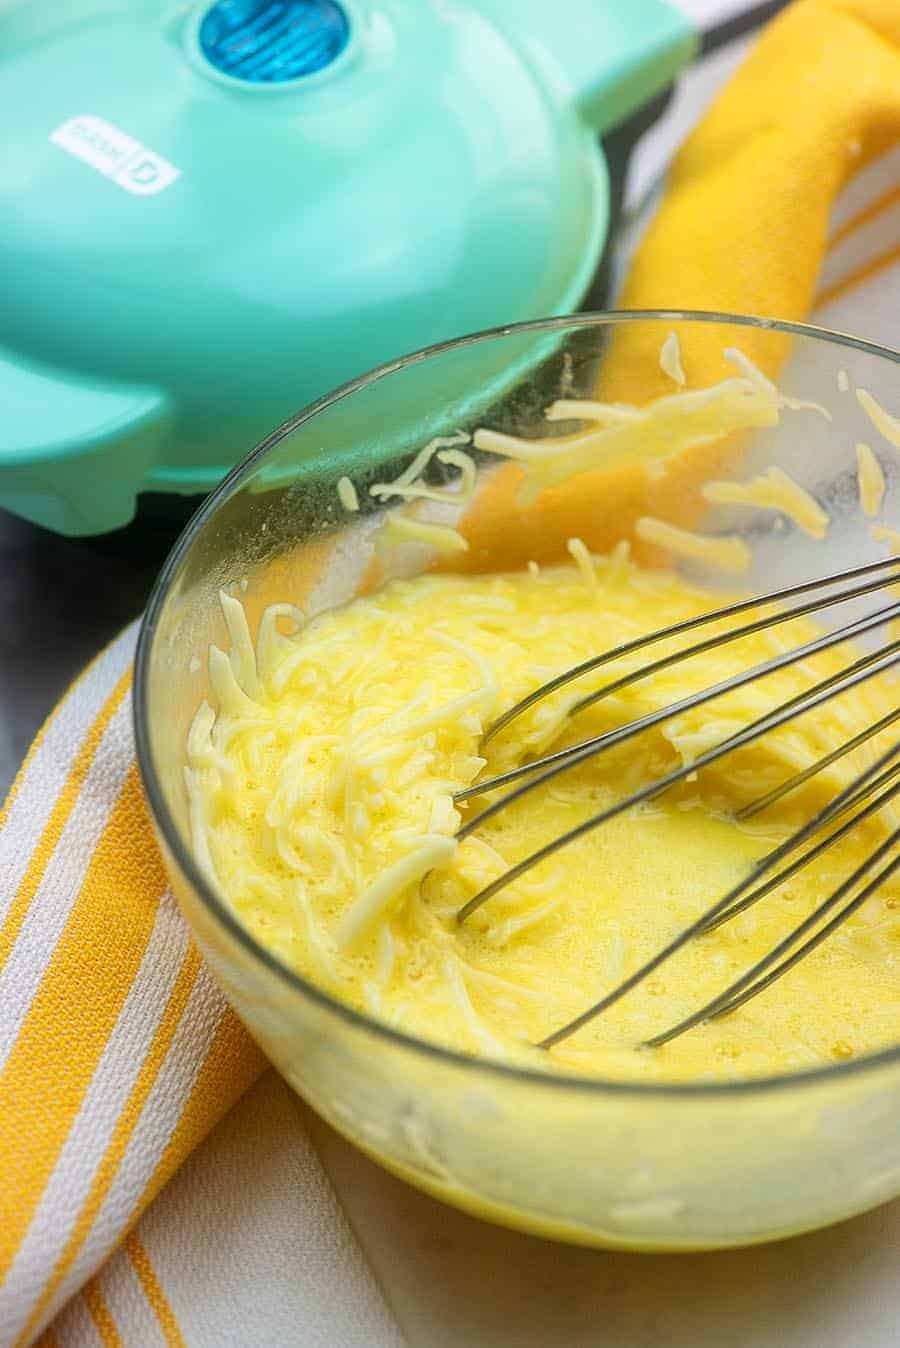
<point x="270" y="643"/>
<point x="870" y="478"/>
<point x="670" y="359"/>
<point x="584" y="561"/>
<point x="242" y="654"/>
<point x="489" y="689"/>
<point x="729" y="554"/>
<point x="578" y="409"/>
<point x="386" y="891"/>
<point x="457" y="987"/>
<point x="420" y="463"/>
<point x="347" y="494"/>
<point x="879" y="417"/>
<point x="736" y="357"/>
<point x="402" y="529"/>
<point x="458" y="458"/>
<point x="773" y="490"/>
<point x="231" y="695"/>
<point x="659" y="431"/>
<point x="765" y="385"/>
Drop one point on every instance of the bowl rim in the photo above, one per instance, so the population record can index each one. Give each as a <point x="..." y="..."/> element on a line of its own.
<point x="216" y="904"/>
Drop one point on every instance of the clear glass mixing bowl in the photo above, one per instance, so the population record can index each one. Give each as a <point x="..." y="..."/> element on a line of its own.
<point x="598" y="1162"/>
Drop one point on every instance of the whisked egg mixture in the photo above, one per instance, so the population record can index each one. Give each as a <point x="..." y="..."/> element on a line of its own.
<point x="321" y="789"/>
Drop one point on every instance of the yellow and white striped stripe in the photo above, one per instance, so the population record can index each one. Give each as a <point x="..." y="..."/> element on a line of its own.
<point x="860" y="273"/>
<point x="247" y="1245"/>
<point x="114" y="1042"/>
<point x="123" y="1304"/>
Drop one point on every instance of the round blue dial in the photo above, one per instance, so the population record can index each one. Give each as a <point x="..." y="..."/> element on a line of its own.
<point x="269" y="41"/>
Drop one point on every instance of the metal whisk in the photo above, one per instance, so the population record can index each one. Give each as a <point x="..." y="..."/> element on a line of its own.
<point x="863" y="797"/>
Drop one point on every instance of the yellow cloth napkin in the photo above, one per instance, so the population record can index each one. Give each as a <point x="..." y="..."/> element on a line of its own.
<point x="744" y="223"/>
<point x="117" y="1053"/>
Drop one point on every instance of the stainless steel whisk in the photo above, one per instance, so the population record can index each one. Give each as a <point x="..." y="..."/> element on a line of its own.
<point x="864" y="796"/>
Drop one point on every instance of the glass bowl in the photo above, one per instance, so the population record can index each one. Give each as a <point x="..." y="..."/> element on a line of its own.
<point x="663" y="1167"/>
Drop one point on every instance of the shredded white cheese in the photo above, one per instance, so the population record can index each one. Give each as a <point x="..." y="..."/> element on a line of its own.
<point x="457" y="988"/>
<point x="670" y="359"/>
<point x="879" y="417"/>
<point x="743" y="362"/>
<point x="386" y="891"/>
<point x="242" y="656"/>
<point x="584" y="561"/>
<point x="726" y="554"/>
<point x="658" y="431"/>
<point x="843" y="381"/>
<point x="402" y="529"/>
<point x="584" y="409"/>
<point x="489" y="689"/>
<point x="231" y="695"/>
<point x="618" y="558"/>
<point x="412" y="474"/>
<point x="458" y="458"/>
<point x="773" y="490"/>
<point x="504" y="932"/>
<point x="410" y="486"/>
<point x="347" y="494"/>
<point x="870" y="478"/>
<point x="270" y="644"/>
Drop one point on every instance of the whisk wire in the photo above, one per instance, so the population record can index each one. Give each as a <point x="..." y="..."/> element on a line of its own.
<point x="799" y="778"/>
<point x="771" y="721"/>
<point x="574" y="754"/>
<point x="816" y="940"/>
<point x="747" y="985"/>
<point x="767" y="863"/>
<point x="891" y="564"/>
<point x="724" y="639"/>
<point x="790" y="871"/>
<point x="869" y="792"/>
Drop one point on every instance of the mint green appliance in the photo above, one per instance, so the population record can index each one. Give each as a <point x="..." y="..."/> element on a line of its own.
<point x="212" y="214"/>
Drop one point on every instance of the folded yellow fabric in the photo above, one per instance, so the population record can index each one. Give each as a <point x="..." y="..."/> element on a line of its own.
<point x="117" y="1053"/>
<point x="744" y="223"/>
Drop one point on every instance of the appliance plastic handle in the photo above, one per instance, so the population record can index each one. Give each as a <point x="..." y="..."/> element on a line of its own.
<point x="608" y="58"/>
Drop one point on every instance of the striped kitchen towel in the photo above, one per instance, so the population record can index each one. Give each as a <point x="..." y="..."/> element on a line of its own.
<point x="117" y="1052"/>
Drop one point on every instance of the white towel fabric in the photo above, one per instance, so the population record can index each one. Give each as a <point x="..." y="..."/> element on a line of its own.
<point x="248" y="1245"/>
